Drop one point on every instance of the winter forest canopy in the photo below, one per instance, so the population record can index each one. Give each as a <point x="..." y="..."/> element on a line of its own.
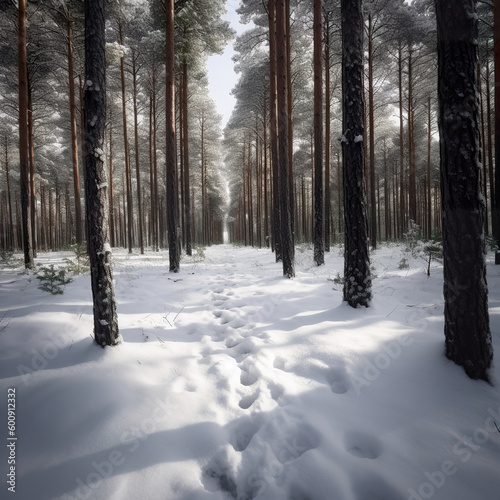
<point x="230" y="172"/>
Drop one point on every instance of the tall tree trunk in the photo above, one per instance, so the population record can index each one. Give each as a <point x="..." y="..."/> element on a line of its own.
<point x="289" y="102"/>
<point x="371" y="140"/>
<point x="428" y="183"/>
<point x="105" y="317"/>
<point x="137" y="157"/>
<point x="496" y="206"/>
<point x="467" y="330"/>
<point x="357" y="278"/>
<point x="482" y="149"/>
<point x="9" y="197"/>
<point x="112" y="239"/>
<point x="74" y="144"/>
<point x="274" y="129"/>
<point x="412" y="182"/>
<point x="23" y="137"/>
<point x="488" y="144"/>
<point x="185" y="146"/>
<point x="402" y="190"/>
<point x="156" y="219"/>
<point x="172" y="197"/>
<point x="319" y="249"/>
<point x="327" y="135"/>
<point x="31" y="153"/>
<point x="128" y="174"/>
<point x="284" y="171"/>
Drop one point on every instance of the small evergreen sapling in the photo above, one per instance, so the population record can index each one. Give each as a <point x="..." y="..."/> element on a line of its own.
<point x="52" y="280"/>
<point x="82" y="264"/>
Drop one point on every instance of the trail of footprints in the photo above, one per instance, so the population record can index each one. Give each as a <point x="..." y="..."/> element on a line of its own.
<point x="235" y="330"/>
<point x="288" y="439"/>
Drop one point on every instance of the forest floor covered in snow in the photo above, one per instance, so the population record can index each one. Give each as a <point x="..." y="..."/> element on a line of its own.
<point x="234" y="382"/>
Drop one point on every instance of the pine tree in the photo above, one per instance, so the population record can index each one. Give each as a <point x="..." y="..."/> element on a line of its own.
<point x="23" y="137"/>
<point x="357" y="278"/>
<point x="105" y="317"/>
<point x="319" y="248"/>
<point x="286" y="229"/>
<point x="467" y="330"/>
<point x="172" y="193"/>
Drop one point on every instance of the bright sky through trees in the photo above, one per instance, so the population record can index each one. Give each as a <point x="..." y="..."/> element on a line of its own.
<point x="222" y="77"/>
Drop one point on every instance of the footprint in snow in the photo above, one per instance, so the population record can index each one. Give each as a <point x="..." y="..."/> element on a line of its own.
<point x="242" y="431"/>
<point x="337" y="380"/>
<point x="227" y="316"/>
<point x="279" y="363"/>
<point x="249" y="376"/>
<point x="237" y="323"/>
<point x="218" y="475"/>
<point x="295" y="441"/>
<point x="232" y="342"/>
<point x="219" y="297"/>
<point x="276" y="390"/>
<point x="362" y="445"/>
<point x="248" y="401"/>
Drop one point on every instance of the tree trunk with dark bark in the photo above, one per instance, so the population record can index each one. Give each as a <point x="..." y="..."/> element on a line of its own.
<point x="273" y="125"/>
<point x="496" y="204"/>
<point x="467" y="330"/>
<point x="319" y="248"/>
<point x="357" y="278"/>
<point x="23" y="137"/>
<point x="286" y="229"/>
<point x="105" y="317"/>
<point x="185" y="147"/>
<point x="172" y="197"/>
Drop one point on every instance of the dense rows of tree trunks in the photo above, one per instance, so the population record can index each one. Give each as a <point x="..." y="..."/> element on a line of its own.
<point x="126" y="148"/>
<point x="496" y="200"/>
<point x="371" y="134"/>
<point x="327" y="193"/>
<point x="140" y="229"/>
<point x="467" y="330"/>
<point x="185" y="161"/>
<point x="79" y="237"/>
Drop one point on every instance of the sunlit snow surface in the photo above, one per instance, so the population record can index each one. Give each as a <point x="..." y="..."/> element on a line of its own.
<point x="234" y="382"/>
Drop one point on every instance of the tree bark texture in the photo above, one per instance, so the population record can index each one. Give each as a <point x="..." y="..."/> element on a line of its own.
<point x="357" y="278"/>
<point x="319" y="248"/>
<point x="105" y="317"/>
<point x="23" y="137"/>
<point x="467" y="331"/>
<point x="284" y="172"/>
<point x="172" y="197"/>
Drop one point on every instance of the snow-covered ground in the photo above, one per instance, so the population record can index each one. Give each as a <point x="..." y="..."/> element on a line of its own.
<point x="233" y="382"/>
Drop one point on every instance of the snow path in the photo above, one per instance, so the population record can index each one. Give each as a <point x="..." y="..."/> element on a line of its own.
<point x="233" y="382"/>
